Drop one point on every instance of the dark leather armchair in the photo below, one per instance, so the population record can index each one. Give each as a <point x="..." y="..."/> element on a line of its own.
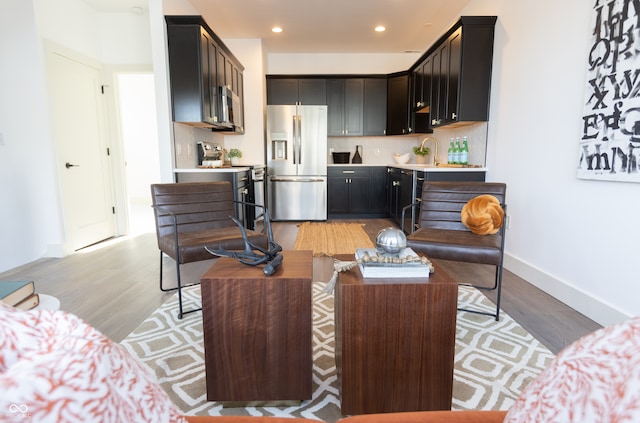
<point x="190" y="216"/>
<point x="442" y="235"/>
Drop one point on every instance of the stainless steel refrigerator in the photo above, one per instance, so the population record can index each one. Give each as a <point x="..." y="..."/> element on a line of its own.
<point x="297" y="162"/>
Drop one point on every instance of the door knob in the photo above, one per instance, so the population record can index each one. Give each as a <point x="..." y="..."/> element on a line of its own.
<point x="68" y="165"/>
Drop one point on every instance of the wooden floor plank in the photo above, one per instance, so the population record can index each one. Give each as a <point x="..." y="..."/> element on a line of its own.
<point x="114" y="285"/>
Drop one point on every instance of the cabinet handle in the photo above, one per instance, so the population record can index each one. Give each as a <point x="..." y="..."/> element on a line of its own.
<point x="348" y="171"/>
<point x="395" y="183"/>
<point x="454" y="116"/>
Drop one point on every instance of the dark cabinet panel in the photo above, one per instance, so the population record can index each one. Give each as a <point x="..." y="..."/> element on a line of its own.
<point x="393" y="193"/>
<point x="305" y="91"/>
<point x="191" y="75"/>
<point x="354" y="103"/>
<point x="312" y="91"/>
<point x="338" y="194"/>
<point x="398" y="104"/>
<point x="453" y="76"/>
<point x="335" y="107"/>
<point x="406" y="198"/>
<point x="359" y="195"/>
<point x="378" y="189"/>
<point x="375" y="106"/>
<point x="282" y="91"/>
<point x="345" y="100"/>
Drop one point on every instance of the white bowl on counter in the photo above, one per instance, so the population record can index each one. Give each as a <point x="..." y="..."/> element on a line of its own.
<point x="402" y="158"/>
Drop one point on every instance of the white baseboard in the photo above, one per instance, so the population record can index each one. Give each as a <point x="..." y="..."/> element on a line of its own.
<point x="57" y="250"/>
<point x="583" y="302"/>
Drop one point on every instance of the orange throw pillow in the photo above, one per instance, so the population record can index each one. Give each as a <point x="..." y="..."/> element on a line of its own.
<point x="483" y="215"/>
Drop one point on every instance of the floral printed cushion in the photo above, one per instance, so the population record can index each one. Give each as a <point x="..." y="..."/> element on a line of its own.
<point x="56" y="368"/>
<point x="595" y="379"/>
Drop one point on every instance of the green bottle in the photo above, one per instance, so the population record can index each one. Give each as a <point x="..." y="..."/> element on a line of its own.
<point x="464" y="152"/>
<point x="450" y="152"/>
<point x="456" y="151"/>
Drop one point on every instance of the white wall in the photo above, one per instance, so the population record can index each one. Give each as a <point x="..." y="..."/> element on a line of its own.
<point x="31" y="222"/>
<point x="29" y="215"/>
<point x="573" y="238"/>
<point x="344" y="63"/>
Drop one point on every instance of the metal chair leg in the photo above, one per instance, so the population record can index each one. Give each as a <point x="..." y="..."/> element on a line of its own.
<point x="181" y="312"/>
<point x="497" y="285"/>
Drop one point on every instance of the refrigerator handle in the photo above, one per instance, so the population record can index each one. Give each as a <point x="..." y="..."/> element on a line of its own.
<point x="299" y="139"/>
<point x="295" y="138"/>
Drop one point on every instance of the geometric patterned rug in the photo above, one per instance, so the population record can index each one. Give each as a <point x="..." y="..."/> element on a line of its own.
<point x="494" y="361"/>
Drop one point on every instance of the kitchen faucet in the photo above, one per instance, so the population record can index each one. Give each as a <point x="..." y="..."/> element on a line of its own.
<point x="435" y="148"/>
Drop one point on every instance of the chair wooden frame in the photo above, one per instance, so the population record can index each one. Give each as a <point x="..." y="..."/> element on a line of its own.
<point x="194" y="215"/>
<point x="441" y="234"/>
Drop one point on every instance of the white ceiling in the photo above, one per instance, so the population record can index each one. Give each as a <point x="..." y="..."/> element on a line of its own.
<point x="323" y="26"/>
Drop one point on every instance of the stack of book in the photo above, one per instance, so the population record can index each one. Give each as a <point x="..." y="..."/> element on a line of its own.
<point x="378" y="268"/>
<point x="19" y="294"/>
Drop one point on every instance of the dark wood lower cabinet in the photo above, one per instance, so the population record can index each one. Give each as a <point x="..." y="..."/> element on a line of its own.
<point x="356" y="191"/>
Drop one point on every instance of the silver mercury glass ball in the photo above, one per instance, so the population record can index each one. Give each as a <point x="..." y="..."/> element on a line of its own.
<point x="391" y="241"/>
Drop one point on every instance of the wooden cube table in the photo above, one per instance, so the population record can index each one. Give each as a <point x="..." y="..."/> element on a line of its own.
<point x="257" y="330"/>
<point x="395" y="342"/>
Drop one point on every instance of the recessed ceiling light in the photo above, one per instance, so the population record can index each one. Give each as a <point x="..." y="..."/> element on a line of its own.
<point x="380" y="28"/>
<point x="276" y="29"/>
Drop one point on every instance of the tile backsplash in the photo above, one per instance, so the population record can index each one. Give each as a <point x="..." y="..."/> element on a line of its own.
<point x="375" y="150"/>
<point x="380" y="150"/>
<point x="185" y="144"/>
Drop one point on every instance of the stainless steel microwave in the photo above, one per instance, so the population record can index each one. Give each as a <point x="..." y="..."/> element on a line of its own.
<point x="230" y="113"/>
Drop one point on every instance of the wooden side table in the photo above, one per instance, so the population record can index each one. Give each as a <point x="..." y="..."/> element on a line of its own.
<point x="395" y="342"/>
<point x="257" y="330"/>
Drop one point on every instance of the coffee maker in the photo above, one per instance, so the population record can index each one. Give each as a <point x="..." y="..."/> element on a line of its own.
<point x="209" y="154"/>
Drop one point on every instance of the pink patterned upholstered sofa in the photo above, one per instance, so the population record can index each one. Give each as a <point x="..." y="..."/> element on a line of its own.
<point x="55" y="368"/>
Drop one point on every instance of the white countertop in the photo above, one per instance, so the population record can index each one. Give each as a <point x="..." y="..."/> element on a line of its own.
<point x="234" y="169"/>
<point x="419" y="167"/>
<point x="409" y="166"/>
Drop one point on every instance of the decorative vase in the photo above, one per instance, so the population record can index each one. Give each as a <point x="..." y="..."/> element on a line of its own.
<point x="421" y="159"/>
<point x="234" y="160"/>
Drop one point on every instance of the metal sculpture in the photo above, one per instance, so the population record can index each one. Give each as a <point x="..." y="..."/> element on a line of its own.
<point x="254" y="255"/>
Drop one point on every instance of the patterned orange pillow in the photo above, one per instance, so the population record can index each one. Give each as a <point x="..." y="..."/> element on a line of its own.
<point x="595" y="379"/>
<point x="56" y="368"/>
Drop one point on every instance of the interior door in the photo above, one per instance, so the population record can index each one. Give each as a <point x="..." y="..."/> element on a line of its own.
<point x="77" y="110"/>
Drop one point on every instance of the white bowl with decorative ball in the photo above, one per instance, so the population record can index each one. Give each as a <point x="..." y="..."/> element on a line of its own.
<point x="402" y="158"/>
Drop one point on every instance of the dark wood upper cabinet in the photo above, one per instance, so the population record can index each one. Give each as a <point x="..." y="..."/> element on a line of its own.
<point x="452" y="80"/>
<point x="304" y="91"/>
<point x="199" y="64"/>
<point x="345" y="106"/>
<point x="398" y="122"/>
<point x="375" y="106"/>
<point x="450" y="83"/>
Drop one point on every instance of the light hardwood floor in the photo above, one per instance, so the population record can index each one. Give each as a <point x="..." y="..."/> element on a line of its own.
<point x="114" y="286"/>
